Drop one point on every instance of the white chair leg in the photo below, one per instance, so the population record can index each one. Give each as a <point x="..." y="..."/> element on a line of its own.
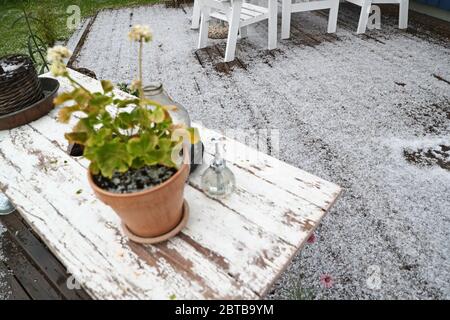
<point x="332" y="19"/>
<point x="273" y="11"/>
<point x="243" y="32"/>
<point x="364" y="16"/>
<point x="196" y="15"/>
<point x="204" y="25"/>
<point x="233" y="29"/>
<point x="403" y="14"/>
<point x="286" y="19"/>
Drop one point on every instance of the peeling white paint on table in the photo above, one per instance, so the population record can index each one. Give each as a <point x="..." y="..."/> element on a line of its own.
<point x="233" y="248"/>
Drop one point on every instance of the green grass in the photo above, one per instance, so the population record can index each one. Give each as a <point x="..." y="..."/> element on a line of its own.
<point x="300" y="293"/>
<point x="14" y="40"/>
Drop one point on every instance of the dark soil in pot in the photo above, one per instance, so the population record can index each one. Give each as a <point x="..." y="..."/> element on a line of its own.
<point x="135" y="180"/>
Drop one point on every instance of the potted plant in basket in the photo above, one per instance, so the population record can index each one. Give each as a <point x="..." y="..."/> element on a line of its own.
<point x="138" y="156"/>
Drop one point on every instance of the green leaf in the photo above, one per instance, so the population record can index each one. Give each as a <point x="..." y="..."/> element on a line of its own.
<point x="160" y="154"/>
<point x="112" y="156"/>
<point x="106" y="119"/>
<point x="124" y="120"/>
<point x="86" y="125"/>
<point x="107" y="86"/>
<point x="63" y="97"/>
<point x="138" y="163"/>
<point x="158" y="115"/>
<point x="100" y="100"/>
<point x="65" y="113"/>
<point x="81" y="97"/>
<point x="125" y="103"/>
<point x="153" y="157"/>
<point x="93" y="168"/>
<point x="165" y="147"/>
<point x="142" y="145"/>
<point x="16" y="21"/>
<point x="76" y="137"/>
<point x="142" y="117"/>
<point x="165" y="144"/>
<point x="96" y="105"/>
<point x="166" y="160"/>
<point x="99" y="137"/>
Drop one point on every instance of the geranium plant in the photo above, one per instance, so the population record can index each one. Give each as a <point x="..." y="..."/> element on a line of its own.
<point x="135" y="149"/>
<point x="118" y="134"/>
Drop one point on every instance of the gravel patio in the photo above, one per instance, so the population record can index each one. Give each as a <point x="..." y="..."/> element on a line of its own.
<point x="368" y="112"/>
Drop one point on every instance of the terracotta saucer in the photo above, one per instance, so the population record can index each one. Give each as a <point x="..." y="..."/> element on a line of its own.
<point x="163" y="237"/>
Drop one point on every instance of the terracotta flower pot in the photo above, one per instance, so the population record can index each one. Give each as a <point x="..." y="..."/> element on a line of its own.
<point x="150" y="213"/>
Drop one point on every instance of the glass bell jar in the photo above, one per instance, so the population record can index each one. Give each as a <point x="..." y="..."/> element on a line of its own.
<point x="155" y="91"/>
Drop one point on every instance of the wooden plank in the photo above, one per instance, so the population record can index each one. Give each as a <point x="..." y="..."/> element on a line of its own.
<point x="39" y="254"/>
<point x="13" y="290"/>
<point x="17" y="292"/>
<point x="214" y="55"/>
<point x="216" y="59"/>
<point x="230" y="65"/>
<point x="31" y="280"/>
<point x="251" y="252"/>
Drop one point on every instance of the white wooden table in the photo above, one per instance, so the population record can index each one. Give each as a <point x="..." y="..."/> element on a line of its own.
<point x="234" y="248"/>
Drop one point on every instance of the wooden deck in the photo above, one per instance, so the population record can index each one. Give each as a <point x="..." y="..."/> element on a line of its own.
<point x="420" y="25"/>
<point x="30" y="269"/>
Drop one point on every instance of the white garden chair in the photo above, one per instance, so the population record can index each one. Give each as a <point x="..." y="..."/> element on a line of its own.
<point x="365" y="11"/>
<point x="288" y="7"/>
<point x="239" y="15"/>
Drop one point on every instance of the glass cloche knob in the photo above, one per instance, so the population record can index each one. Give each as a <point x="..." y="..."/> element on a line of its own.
<point x="218" y="180"/>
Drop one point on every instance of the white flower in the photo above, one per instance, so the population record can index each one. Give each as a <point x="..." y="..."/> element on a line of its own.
<point x="58" y="53"/>
<point x="140" y="33"/>
<point x="56" y="56"/>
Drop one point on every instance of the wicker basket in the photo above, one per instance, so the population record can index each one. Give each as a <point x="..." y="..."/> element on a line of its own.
<point x="19" y="85"/>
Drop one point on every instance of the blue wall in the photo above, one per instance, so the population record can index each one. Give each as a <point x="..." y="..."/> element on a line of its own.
<point x="443" y="4"/>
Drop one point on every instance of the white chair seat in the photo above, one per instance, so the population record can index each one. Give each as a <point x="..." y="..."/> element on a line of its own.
<point x="249" y="14"/>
